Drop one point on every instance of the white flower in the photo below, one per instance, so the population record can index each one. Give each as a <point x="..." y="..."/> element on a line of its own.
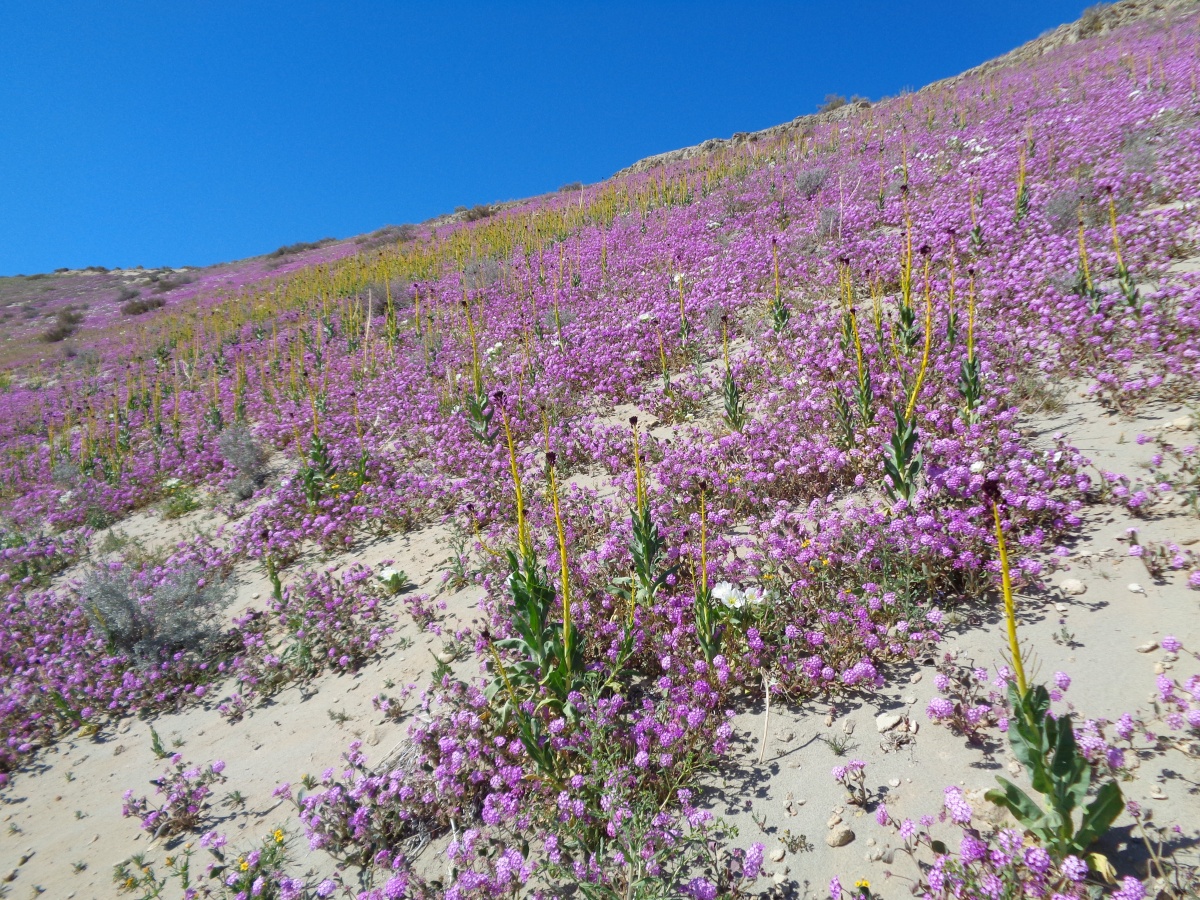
<point x="645" y="317"/>
<point x="978" y="466"/>
<point x="754" y="595"/>
<point x="725" y="593"/>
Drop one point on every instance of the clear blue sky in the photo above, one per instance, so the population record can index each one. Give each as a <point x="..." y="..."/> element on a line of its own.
<point x="177" y="133"/>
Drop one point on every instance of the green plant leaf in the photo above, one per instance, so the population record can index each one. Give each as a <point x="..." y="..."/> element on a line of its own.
<point x="1100" y="814"/>
<point x="1021" y="805"/>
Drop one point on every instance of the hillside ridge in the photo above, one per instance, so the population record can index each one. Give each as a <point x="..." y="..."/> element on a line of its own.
<point x="1096" y="21"/>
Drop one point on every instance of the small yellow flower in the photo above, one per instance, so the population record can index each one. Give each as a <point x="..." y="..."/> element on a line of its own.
<point x="862" y="883"/>
<point x="243" y="865"/>
<point x="278" y="835"/>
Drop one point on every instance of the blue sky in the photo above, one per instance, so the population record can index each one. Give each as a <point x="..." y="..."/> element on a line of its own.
<point x="187" y="133"/>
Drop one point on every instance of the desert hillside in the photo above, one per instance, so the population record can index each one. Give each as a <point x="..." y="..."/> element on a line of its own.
<point x="810" y="513"/>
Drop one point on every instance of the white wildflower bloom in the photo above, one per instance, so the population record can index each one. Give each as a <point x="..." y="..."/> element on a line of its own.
<point x="978" y="466"/>
<point x="725" y="593"/>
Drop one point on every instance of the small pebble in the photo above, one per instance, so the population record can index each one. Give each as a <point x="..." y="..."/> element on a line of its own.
<point x="1072" y="587"/>
<point x="778" y="854"/>
<point x="839" y="837"/>
<point x="1061" y="607"/>
<point x="894" y="782"/>
<point x="834" y="821"/>
<point x="1136" y="588"/>
<point x="910" y="699"/>
<point x="887" y="721"/>
<point x="915" y="678"/>
<point x="1148" y="647"/>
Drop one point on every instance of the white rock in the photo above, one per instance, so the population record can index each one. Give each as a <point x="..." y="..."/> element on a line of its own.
<point x="1148" y="647"/>
<point x="778" y="854"/>
<point x="910" y="699"/>
<point x="1073" y="587"/>
<point x="894" y="782"/>
<point x="1061" y="607"/>
<point x="839" y="837"/>
<point x="1137" y="588"/>
<point x="887" y="721"/>
<point x="1183" y="423"/>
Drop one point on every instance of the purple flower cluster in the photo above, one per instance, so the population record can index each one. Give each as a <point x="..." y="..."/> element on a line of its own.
<point x="183" y="793"/>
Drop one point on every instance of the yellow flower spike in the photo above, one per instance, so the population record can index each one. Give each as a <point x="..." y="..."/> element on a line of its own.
<point x="703" y="545"/>
<point x="278" y="835"/>
<point x="912" y="400"/>
<point x="522" y="531"/>
<point x="562" y="558"/>
<point x="971" y="319"/>
<point x="775" y="261"/>
<point x="1010" y="615"/>
<point x="1112" y="218"/>
<point x="725" y="341"/>
<point x="639" y="477"/>
<point x="1083" y="259"/>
